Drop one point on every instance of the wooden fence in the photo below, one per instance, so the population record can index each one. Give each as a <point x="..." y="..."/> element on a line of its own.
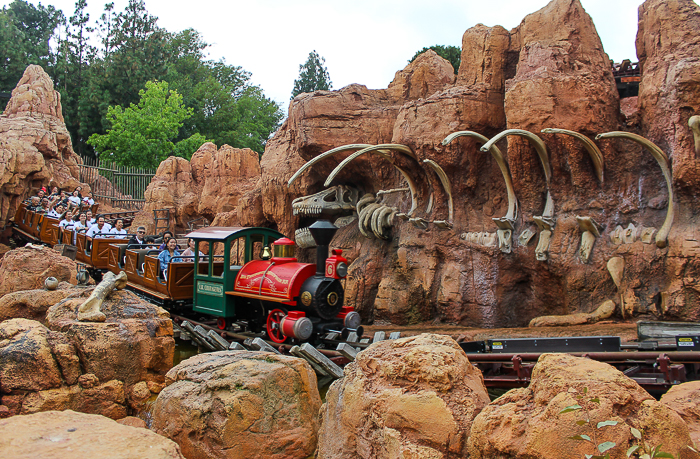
<point x="119" y="186"/>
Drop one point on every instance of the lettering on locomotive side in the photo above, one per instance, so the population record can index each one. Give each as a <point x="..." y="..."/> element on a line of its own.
<point x="266" y="274"/>
<point x="208" y="288"/>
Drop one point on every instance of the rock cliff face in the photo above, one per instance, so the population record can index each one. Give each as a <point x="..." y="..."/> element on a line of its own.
<point x="35" y="146"/>
<point x="212" y="183"/>
<point x="582" y="225"/>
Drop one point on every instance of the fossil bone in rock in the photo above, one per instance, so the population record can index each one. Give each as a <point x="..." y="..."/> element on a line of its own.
<point x="505" y="234"/>
<point x="593" y="150"/>
<point x="502" y="164"/>
<point x="546" y="226"/>
<point x="525" y="237"/>
<point x="616" y="268"/>
<point x="604" y="311"/>
<point x="89" y="311"/>
<point x="334" y="200"/>
<point x="617" y="235"/>
<point x="694" y="124"/>
<point x="647" y="234"/>
<point x="591" y="230"/>
<point x="629" y="236"/>
<point x="662" y="159"/>
<point x="482" y="238"/>
<point x="304" y="239"/>
<point x="448" y="190"/>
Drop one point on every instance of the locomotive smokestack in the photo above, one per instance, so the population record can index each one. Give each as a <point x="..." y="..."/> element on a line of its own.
<point x="322" y="232"/>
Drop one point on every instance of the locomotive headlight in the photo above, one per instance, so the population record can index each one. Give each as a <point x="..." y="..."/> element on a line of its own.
<point x="342" y="269"/>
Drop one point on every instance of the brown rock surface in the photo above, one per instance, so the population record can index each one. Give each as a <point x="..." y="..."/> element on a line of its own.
<point x="668" y="47"/>
<point x="35" y="146"/>
<point x="684" y="399"/>
<point x="240" y="405"/>
<point x="134" y="344"/>
<point x="27" y="268"/>
<point x="32" y="304"/>
<point x="71" y="435"/>
<point x="411" y="397"/>
<point x="527" y="423"/>
<point x="212" y="182"/>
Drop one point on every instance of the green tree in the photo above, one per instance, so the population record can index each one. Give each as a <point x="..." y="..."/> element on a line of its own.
<point x="26" y="32"/>
<point x="142" y="135"/>
<point x="313" y="76"/>
<point x="452" y="54"/>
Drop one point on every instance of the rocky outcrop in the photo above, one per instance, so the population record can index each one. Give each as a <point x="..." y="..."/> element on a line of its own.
<point x="684" y="399"/>
<point x="33" y="304"/>
<point x="27" y="268"/>
<point x="35" y="146"/>
<point x="548" y="72"/>
<point x="668" y="48"/>
<point x="109" y="368"/>
<point x="240" y="405"/>
<point x="212" y="182"/>
<point x="68" y="435"/>
<point x="528" y="422"/>
<point x="411" y="397"/>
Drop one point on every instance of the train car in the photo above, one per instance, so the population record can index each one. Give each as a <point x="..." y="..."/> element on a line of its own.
<point x="244" y="284"/>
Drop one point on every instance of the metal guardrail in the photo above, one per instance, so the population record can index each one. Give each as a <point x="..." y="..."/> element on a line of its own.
<point x="116" y="185"/>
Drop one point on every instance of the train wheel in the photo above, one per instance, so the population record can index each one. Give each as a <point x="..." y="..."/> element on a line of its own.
<point x="274" y="329"/>
<point x="221" y="323"/>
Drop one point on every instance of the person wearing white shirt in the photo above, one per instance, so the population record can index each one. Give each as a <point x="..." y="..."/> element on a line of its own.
<point x="99" y="227"/>
<point x="56" y="212"/>
<point x="90" y="220"/>
<point x="118" y="230"/>
<point x="81" y="224"/>
<point x="88" y="201"/>
<point x="67" y="222"/>
<point x="74" y="200"/>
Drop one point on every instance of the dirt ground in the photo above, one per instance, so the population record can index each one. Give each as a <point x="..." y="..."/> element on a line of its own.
<point x="626" y="330"/>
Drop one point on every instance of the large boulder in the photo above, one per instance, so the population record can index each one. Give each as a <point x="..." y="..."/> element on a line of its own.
<point x="33" y="304"/>
<point x="411" y="397"/>
<point x="35" y="146"/>
<point x="27" y="268"/>
<point x="684" y="399"/>
<point x="135" y="343"/>
<point x="526" y="423"/>
<point x="240" y="405"/>
<point x="70" y="435"/>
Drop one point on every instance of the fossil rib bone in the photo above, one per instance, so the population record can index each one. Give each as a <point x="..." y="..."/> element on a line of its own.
<point x="593" y="150"/>
<point x="591" y="230"/>
<point x="694" y="124"/>
<point x="89" y="311"/>
<point x="446" y="185"/>
<point x="662" y="159"/>
<point x="502" y="164"/>
<point x="312" y="161"/>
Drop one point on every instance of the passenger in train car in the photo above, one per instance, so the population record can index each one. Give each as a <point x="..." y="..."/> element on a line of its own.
<point x="57" y="211"/>
<point x="79" y="189"/>
<point x="166" y="236"/>
<point x="74" y="200"/>
<point x="88" y="201"/>
<point x="100" y="227"/>
<point x="189" y="251"/>
<point x="67" y="221"/>
<point x="167" y="256"/>
<point x="118" y="231"/>
<point x="140" y="236"/>
<point x="80" y="226"/>
<point x="41" y="193"/>
<point x="90" y="220"/>
<point x="55" y="191"/>
<point x="34" y="204"/>
<point x="45" y="207"/>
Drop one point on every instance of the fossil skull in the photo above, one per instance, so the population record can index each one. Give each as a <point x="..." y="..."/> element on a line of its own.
<point x="331" y="201"/>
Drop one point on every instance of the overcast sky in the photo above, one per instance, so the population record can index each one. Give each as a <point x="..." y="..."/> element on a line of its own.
<point x="364" y="41"/>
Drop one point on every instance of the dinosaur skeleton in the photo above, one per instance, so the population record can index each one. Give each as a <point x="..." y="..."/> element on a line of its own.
<point x="375" y="218"/>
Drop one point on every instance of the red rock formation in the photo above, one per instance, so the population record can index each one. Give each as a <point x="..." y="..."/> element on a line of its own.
<point x="27" y="268"/>
<point x="668" y="47"/>
<point x="528" y="422"/>
<point x="684" y="399"/>
<point x="240" y="405"/>
<point x="212" y="182"/>
<point x="107" y="368"/>
<point x="412" y="397"/>
<point x="68" y="435"/>
<point x="35" y="146"/>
